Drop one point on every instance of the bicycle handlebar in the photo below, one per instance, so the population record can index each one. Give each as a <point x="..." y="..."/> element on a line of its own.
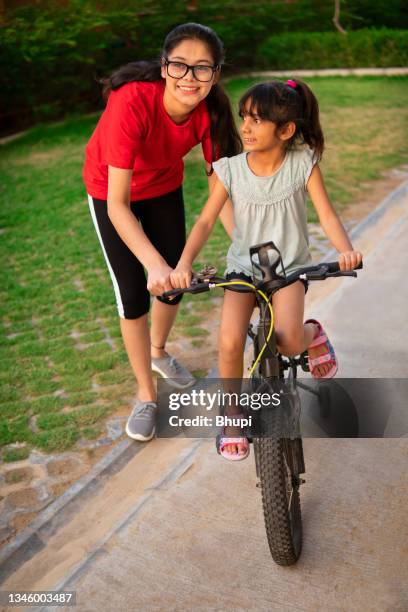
<point x="317" y="272"/>
<point x="322" y="271"/>
<point x="196" y="288"/>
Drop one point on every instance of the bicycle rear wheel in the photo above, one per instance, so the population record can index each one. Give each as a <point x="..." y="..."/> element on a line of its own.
<point x="279" y="462"/>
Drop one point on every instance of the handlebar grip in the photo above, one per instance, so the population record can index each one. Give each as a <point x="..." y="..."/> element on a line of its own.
<point x="196" y="288"/>
<point x="333" y="266"/>
<point x="172" y="292"/>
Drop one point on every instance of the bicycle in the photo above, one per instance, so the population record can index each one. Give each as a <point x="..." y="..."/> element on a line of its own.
<point x="279" y="458"/>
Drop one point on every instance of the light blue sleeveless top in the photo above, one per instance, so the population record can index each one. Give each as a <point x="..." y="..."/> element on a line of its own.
<point x="268" y="208"/>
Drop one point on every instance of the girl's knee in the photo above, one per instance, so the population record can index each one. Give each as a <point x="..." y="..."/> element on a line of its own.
<point x="290" y="341"/>
<point x="230" y="348"/>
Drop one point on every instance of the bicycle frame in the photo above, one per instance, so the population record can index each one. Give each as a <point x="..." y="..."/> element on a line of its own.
<point x="272" y="365"/>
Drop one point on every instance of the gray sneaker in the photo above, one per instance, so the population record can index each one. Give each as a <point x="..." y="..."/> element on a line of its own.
<point x="176" y="374"/>
<point x="141" y="424"/>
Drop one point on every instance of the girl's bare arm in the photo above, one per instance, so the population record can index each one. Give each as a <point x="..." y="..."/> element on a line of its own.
<point x="330" y="221"/>
<point x="227" y="211"/>
<point x="131" y="232"/>
<point x="181" y="276"/>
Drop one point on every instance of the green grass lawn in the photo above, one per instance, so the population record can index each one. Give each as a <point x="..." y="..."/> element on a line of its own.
<point x="60" y="376"/>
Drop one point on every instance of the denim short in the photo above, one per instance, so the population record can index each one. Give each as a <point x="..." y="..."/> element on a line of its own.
<point x="244" y="277"/>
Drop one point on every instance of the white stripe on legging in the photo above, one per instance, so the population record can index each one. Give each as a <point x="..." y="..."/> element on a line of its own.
<point x="112" y="275"/>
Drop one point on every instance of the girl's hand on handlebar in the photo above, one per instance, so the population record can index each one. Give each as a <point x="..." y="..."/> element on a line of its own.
<point x="349" y="260"/>
<point x="158" y="279"/>
<point x="181" y="276"/>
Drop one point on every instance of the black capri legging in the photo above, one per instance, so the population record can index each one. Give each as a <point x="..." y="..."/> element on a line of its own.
<point x="163" y="222"/>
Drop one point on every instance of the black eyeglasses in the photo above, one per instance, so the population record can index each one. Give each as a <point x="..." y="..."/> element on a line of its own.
<point x="177" y="70"/>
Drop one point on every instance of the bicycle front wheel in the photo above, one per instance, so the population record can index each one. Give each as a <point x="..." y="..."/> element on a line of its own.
<point x="278" y="461"/>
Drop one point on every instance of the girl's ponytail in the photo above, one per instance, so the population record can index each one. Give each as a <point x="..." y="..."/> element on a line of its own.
<point x="134" y="71"/>
<point x="224" y="133"/>
<point x="282" y="103"/>
<point x="311" y="129"/>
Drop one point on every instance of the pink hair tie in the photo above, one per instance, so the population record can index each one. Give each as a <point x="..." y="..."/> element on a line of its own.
<point x="291" y="83"/>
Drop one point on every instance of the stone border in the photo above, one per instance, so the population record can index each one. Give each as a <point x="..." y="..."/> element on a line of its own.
<point x="180" y="466"/>
<point x="39" y="484"/>
<point x="33" y="538"/>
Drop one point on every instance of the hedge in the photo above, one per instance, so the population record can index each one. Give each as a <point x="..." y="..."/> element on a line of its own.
<point x="359" y="49"/>
<point x="53" y="51"/>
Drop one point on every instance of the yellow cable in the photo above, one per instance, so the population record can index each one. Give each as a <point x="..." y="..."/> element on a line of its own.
<point x="262" y="294"/>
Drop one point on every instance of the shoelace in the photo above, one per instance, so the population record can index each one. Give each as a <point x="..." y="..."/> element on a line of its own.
<point x="145" y="410"/>
<point x="176" y="367"/>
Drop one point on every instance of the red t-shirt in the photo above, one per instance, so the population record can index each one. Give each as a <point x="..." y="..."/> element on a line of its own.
<point x="135" y="132"/>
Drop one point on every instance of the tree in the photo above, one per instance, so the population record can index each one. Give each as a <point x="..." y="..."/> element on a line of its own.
<point x="336" y="18"/>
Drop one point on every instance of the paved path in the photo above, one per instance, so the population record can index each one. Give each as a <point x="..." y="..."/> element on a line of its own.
<point x="368" y="316"/>
<point x="325" y="72"/>
<point x="198" y="542"/>
<point x="178" y="528"/>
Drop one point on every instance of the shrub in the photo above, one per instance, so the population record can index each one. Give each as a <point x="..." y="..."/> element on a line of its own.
<point x="359" y="49"/>
<point x="52" y="52"/>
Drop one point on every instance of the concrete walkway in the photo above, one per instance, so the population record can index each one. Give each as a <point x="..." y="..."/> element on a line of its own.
<point x="367" y="317"/>
<point x="325" y="72"/>
<point x="198" y="543"/>
<point x="178" y="528"/>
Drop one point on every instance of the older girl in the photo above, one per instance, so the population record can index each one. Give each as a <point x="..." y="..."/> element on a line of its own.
<point x="156" y="113"/>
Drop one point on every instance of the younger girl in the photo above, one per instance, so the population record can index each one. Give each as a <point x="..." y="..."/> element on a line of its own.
<point x="267" y="184"/>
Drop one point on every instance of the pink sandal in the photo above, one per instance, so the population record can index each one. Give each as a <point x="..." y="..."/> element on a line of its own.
<point x="329" y="357"/>
<point x="222" y="441"/>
